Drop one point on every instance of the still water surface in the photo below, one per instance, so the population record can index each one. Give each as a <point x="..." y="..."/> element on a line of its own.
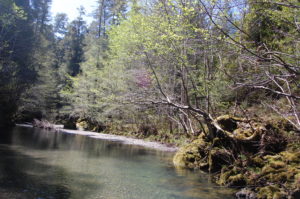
<point x="38" y="164"/>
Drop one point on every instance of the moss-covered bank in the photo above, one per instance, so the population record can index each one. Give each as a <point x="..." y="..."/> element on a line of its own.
<point x="261" y="157"/>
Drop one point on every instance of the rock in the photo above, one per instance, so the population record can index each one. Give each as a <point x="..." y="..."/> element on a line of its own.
<point x="246" y="194"/>
<point x="249" y="154"/>
<point x="271" y="192"/>
<point x="193" y="155"/>
<point x="86" y="125"/>
<point x="179" y="159"/>
<point x="219" y="157"/>
<point x="232" y="177"/>
<point x="82" y="125"/>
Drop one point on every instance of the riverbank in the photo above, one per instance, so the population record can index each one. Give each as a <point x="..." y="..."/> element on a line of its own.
<point x="117" y="138"/>
<point x="123" y="139"/>
<point x="262" y="158"/>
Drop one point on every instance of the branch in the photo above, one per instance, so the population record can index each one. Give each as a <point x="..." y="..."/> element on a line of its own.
<point x="276" y="92"/>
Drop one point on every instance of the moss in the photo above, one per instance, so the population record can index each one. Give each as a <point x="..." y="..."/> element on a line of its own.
<point x="192" y="155"/>
<point x="295" y="145"/>
<point x="179" y="159"/>
<point x="291" y="157"/>
<point x="273" y="141"/>
<point x="82" y="125"/>
<point x="257" y="161"/>
<point x="231" y="177"/>
<point x="277" y="164"/>
<point x="217" y="142"/>
<point x="275" y="176"/>
<point x="271" y="158"/>
<point x="225" y="174"/>
<point x="243" y="134"/>
<point x="237" y="180"/>
<point x="281" y="168"/>
<point x="296" y="184"/>
<point x="268" y="169"/>
<point x="228" y="122"/>
<point x="271" y="192"/>
<point x="281" y="124"/>
<point x="218" y="158"/>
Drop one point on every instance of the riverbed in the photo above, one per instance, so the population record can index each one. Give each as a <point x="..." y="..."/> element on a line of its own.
<point x="40" y="164"/>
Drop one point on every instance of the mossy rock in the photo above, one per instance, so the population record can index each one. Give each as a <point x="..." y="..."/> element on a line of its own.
<point x="271" y="192"/>
<point x="282" y="124"/>
<point x="231" y="177"/>
<point x="273" y="141"/>
<point x="296" y="184"/>
<point x="82" y="125"/>
<point x="86" y="125"/>
<point x="218" y="157"/>
<point x="237" y="181"/>
<point x="281" y="168"/>
<point x="257" y="161"/>
<point x="244" y="159"/>
<point x="277" y="164"/>
<point x="291" y="157"/>
<point x="192" y="155"/>
<point x="225" y="174"/>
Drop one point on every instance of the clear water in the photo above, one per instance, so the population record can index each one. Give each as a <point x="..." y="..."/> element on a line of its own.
<point x="38" y="164"/>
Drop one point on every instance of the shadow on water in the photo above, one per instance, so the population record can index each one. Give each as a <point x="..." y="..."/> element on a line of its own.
<point x="20" y="184"/>
<point x="25" y="177"/>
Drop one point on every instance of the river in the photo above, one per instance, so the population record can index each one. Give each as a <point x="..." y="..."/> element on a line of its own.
<point x="40" y="164"/>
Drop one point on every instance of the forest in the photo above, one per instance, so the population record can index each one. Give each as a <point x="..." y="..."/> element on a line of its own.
<point x="161" y="64"/>
<point x="160" y="69"/>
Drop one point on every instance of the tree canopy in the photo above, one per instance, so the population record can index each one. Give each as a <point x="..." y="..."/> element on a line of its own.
<point x="173" y="64"/>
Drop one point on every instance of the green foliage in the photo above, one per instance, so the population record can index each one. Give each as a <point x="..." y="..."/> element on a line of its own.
<point x="137" y="57"/>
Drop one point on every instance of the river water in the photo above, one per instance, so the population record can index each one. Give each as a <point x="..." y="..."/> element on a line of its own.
<point x="39" y="164"/>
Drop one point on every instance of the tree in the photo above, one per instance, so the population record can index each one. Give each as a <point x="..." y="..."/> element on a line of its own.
<point x="74" y="40"/>
<point x="16" y="45"/>
<point x="265" y="50"/>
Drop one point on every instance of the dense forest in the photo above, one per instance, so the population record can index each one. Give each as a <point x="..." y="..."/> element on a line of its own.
<point x="165" y="70"/>
<point x="156" y="65"/>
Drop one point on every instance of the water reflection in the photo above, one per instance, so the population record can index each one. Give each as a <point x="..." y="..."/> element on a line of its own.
<point x="41" y="164"/>
<point x="17" y="177"/>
